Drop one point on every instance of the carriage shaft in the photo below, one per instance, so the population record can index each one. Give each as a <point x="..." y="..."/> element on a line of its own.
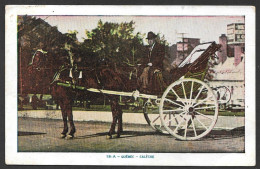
<point x="134" y="94"/>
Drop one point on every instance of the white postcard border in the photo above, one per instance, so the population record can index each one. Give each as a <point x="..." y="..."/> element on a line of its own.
<point x="162" y="159"/>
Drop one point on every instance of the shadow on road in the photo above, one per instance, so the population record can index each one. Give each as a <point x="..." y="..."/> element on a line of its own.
<point x="220" y="134"/>
<point x="91" y="135"/>
<point x="26" y="133"/>
<point x="213" y="135"/>
<point x="226" y="134"/>
<point x="124" y="134"/>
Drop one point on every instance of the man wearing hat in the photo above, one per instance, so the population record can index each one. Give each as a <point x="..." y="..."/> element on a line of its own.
<point x="152" y="63"/>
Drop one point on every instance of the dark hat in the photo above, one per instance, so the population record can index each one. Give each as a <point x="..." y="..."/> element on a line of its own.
<point x="151" y="35"/>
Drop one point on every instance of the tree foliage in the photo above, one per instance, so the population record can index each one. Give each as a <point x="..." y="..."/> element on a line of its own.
<point x="115" y="43"/>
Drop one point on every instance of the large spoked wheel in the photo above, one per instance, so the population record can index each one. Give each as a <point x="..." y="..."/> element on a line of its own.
<point x="152" y="117"/>
<point x="193" y="108"/>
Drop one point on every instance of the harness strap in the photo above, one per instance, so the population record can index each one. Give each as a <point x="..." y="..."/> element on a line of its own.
<point x="57" y="74"/>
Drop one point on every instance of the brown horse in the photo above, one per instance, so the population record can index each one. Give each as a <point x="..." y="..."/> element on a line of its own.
<point x="102" y="77"/>
<point x="57" y="69"/>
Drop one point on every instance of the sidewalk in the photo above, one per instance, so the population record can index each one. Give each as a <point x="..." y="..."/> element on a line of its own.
<point x="224" y="122"/>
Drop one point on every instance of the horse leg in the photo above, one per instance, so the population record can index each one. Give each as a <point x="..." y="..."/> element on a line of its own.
<point x="115" y="118"/>
<point x="70" y="118"/>
<point x="120" y="126"/>
<point x="64" y="118"/>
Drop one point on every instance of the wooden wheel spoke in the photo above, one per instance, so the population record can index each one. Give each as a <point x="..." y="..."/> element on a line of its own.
<point x="204" y="115"/>
<point x="175" y="130"/>
<point x="191" y="90"/>
<point x="175" y="93"/>
<point x="209" y="107"/>
<point x="186" y="127"/>
<point x="175" y="117"/>
<point x="172" y="110"/>
<point x="199" y="93"/>
<point x="201" y="123"/>
<point x="155" y="119"/>
<point x="202" y="101"/>
<point x="178" y="96"/>
<point x="174" y="102"/>
<point x="170" y="119"/>
<point x="164" y="116"/>
<point x="184" y="92"/>
<point x="193" y="126"/>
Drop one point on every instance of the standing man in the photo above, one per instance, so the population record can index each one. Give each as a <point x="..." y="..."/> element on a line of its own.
<point x="151" y="64"/>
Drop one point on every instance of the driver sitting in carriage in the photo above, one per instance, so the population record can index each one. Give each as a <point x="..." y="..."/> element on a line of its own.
<point x="151" y="65"/>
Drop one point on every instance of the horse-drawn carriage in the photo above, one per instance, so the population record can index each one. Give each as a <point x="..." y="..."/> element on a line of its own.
<point x="183" y="104"/>
<point x="188" y="107"/>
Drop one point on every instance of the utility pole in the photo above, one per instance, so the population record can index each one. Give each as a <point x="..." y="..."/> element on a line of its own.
<point x="182" y="37"/>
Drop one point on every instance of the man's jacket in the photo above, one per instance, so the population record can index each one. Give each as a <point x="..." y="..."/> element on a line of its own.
<point x="156" y="57"/>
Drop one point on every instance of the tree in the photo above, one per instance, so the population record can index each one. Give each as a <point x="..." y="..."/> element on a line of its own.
<point x="115" y="44"/>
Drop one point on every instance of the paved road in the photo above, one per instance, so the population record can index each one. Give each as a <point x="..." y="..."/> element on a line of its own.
<point x="42" y="135"/>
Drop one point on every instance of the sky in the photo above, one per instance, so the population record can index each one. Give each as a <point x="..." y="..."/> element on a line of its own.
<point x="207" y="28"/>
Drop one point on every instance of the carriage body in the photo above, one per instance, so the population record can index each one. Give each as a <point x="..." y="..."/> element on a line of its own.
<point x="188" y="108"/>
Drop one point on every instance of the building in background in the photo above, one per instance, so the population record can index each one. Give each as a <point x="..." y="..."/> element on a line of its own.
<point x="236" y="41"/>
<point x="184" y="48"/>
<point x="222" y="53"/>
<point x="230" y="71"/>
<point x="233" y="45"/>
<point x="231" y="76"/>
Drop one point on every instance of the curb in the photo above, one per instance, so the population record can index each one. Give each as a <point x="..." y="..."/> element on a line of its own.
<point x="224" y="122"/>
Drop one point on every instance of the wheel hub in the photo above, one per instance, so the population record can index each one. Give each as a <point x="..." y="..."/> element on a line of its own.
<point x="189" y="109"/>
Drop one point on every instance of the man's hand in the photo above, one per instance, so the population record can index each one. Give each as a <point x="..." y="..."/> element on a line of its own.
<point x="150" y="64"/>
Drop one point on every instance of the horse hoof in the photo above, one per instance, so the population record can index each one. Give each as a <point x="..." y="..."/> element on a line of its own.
<point x="109" y="137"/>
<point x="69" y="137"/>
<point x="112" y="136"/>
<point x="62" y="135"/>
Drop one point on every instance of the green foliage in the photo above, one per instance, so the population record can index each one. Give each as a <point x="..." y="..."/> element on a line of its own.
<point x="162" y="40"/>
<point x="115" y="43"/>
<point x="72" y="34"/>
